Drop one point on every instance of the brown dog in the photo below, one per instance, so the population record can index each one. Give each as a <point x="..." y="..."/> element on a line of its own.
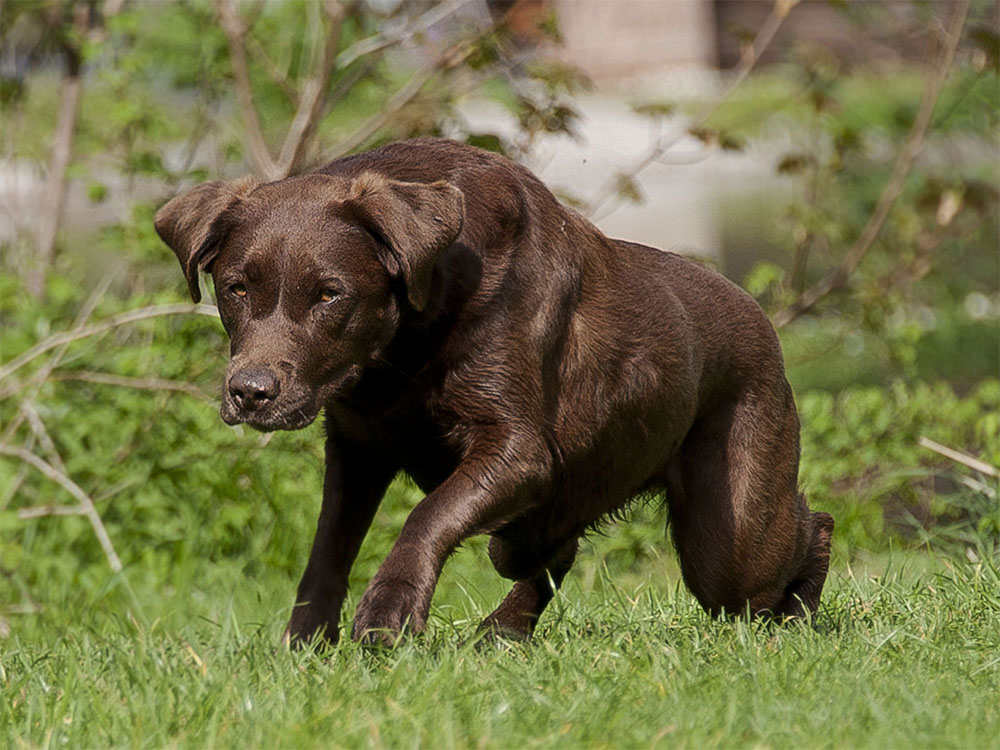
<point x="530" y="374"/>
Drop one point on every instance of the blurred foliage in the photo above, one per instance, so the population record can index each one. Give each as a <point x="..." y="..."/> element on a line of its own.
<point x="160" y="105"/>
<point x="862" y="461"/>
<point x="924" y="301"/>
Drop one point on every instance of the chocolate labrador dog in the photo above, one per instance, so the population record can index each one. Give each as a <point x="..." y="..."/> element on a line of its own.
<point x="531" y="375"/>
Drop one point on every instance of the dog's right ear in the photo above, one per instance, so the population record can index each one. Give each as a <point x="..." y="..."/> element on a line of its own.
<point x="188" y="224"/>
<point x="415" y="222"/>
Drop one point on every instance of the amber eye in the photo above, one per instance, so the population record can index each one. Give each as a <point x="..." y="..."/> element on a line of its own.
<point x="329" y="294"/>
<point x="238" y="290"/>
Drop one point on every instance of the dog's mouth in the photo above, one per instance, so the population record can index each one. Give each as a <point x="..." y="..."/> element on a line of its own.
<point x="295" y="412"/>
<point x="277" y="417"/>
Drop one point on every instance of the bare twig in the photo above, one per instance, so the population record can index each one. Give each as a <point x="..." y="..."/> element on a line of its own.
<point x="37" y="427"/>
<point x="963" y="458"/>
<point x="311" y="99"/>
<point x="132" y="316"/>
<point x="450" y="58"/>
<point x="22" y="473"/>
<point x="74" y="489"/>
<point x="349" y="79"/>
<point x="975" y="484"/>
<point x="85" y="508"/>
<point x="751" y="55"/>
<point x="380" y="41"/>
<point x="398" y="100"/>
<point x="278" y="76"/>
<point x="837" y="277"/>
<point x="36" y="382"/>
<point x="41" y="511"/>
<point x="202" y="121"/>
<point x="146" y="384"/>
<point x="236" y="32"/>
<point x="62" y="149"/>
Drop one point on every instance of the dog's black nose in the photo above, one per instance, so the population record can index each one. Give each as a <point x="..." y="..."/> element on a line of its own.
<point x="253" y="388"/>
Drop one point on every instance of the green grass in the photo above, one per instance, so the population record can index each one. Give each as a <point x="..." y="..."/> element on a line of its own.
<point x="906" y="652"/>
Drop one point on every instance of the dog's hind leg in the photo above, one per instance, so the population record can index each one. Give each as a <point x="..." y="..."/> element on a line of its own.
<point x="518" y="614"/>
<point x="746" y="539"/>
<point x="802" y="594"/>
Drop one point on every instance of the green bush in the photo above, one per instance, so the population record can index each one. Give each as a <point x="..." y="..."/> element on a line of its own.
<point x="862" y="461"/>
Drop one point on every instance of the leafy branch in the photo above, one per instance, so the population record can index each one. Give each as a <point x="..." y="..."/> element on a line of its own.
<point x="313" y="97"/>
<point x="837" y="277"/>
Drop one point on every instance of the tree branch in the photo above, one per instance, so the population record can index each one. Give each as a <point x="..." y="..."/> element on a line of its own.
<point x="279" y="76"/>
<point x="311" y="99"/>
<point x="382" y="40"/>
<point x="963" y="458"/>
<point x="236" y="32"/>
<point x="42" y="435"/>
<point x="146" y="384"/>
<point x="837" y="277"/>
<point x="372" y="125"/>
<point x="450" y="58"/>
<point x="40" y="511"/>
<point x="62" y="151"/>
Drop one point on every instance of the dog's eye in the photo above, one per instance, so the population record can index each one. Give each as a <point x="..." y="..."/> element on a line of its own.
<point x="238" y="290"/>
<point x="328" y="294"/>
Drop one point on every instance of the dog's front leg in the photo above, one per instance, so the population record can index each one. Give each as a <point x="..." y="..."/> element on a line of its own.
<point x="353" y="486"/>
<point x="480" y="495"/>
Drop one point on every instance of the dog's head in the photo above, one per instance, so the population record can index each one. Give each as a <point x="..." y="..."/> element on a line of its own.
<point x="306" y="273"/>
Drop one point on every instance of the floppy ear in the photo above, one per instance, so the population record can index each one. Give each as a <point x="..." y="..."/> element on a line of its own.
<point x="186" y="224"/>
<point x="415" y="221"/>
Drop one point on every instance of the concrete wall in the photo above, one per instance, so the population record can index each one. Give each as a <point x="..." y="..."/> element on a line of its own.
<point x="615" y="38"/>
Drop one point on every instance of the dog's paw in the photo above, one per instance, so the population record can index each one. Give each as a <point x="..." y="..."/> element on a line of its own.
<point x="387" y="610"/>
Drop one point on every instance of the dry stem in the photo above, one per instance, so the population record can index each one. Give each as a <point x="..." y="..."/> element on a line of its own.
<point x="132" y="316"/>
<point x="74" y="489"/>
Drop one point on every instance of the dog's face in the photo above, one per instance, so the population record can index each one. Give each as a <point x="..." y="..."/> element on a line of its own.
<point x="305" y="273"/>
<point x="305" y="301"/>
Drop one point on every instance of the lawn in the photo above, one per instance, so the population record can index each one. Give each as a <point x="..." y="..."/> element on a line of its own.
<point x="905" y="653"/>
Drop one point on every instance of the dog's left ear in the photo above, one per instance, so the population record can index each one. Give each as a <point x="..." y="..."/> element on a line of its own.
<point x="186" y="224"/>
<point x="415" y="222"/>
